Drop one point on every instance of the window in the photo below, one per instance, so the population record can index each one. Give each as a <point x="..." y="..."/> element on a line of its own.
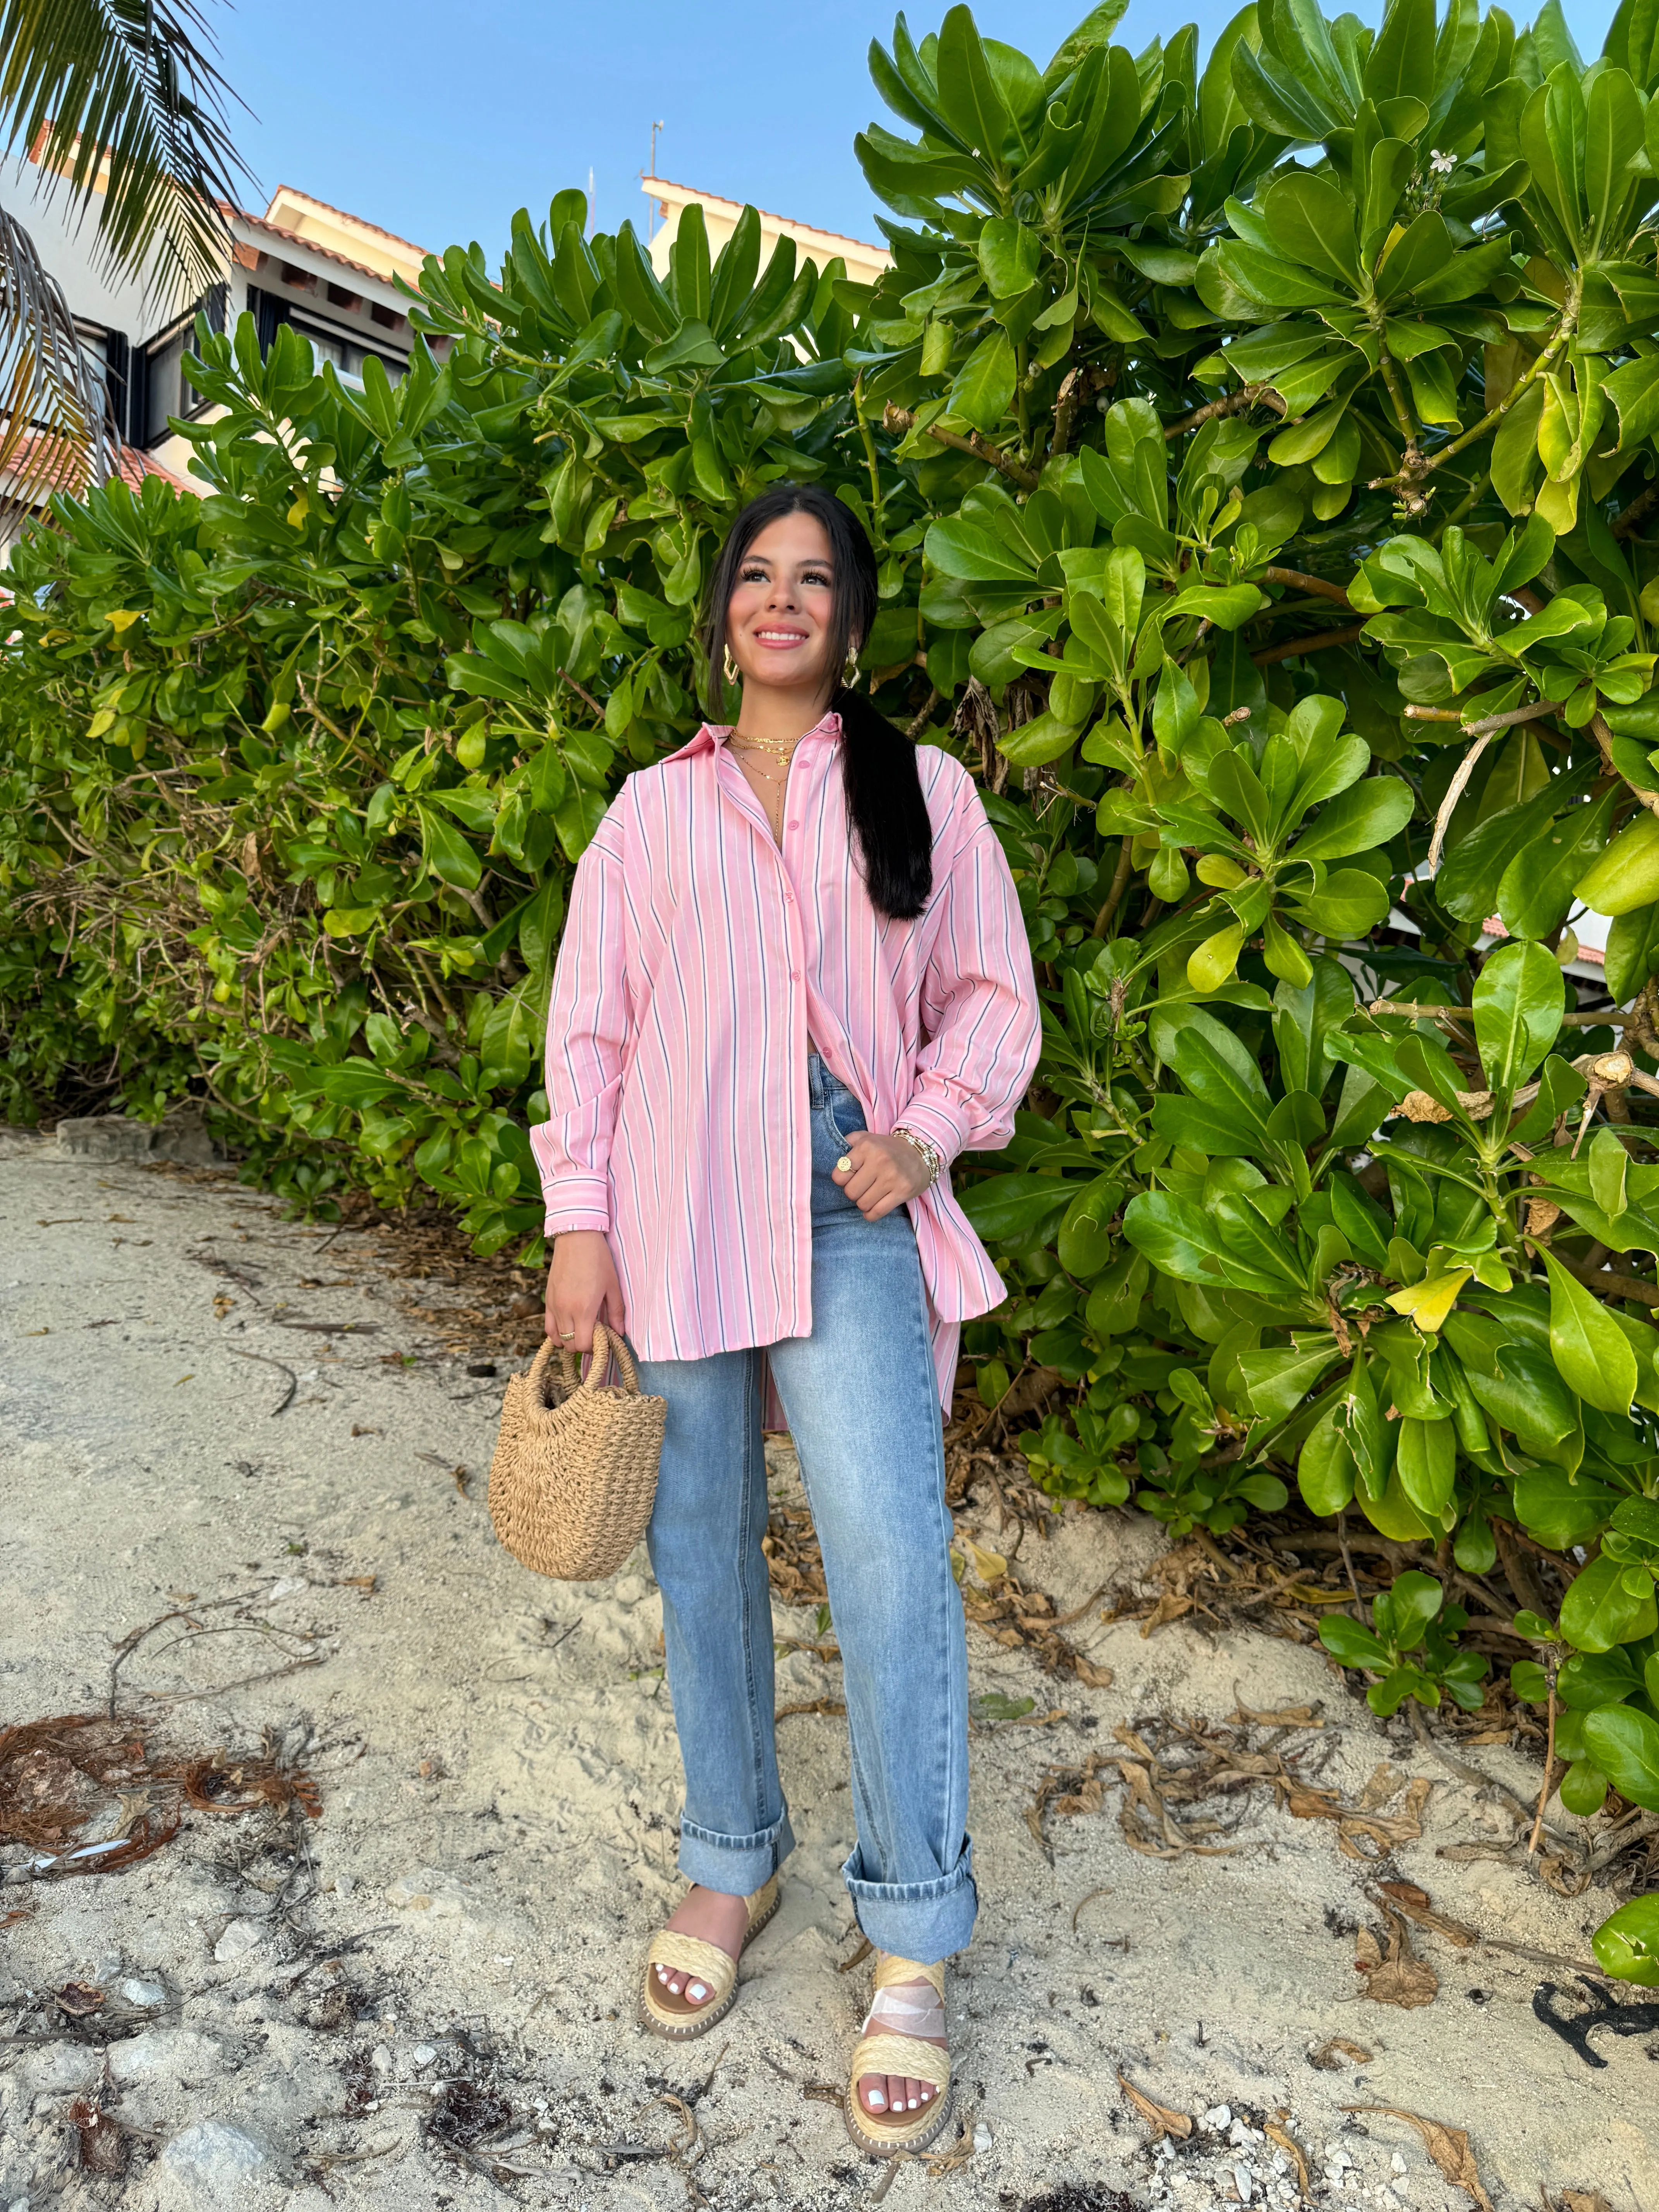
<point x="303" y="280"/>
<point x="339" y="297"/>
<point x="388" y="317"/>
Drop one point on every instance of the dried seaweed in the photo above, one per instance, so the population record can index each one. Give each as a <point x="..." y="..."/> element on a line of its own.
<point x="793" y="1561"/>
<point x="1447" y="2147"/>
<point x="74" y="1772"/>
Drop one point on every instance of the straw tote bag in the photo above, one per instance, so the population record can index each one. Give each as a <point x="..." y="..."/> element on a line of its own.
<point x="574" y="1474"/>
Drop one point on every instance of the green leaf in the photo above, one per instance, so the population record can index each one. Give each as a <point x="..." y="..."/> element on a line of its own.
<point x="984" y="387"/>
<point x="1325" y="1471"/>
<point x="1084" y="1243"/>
<point x="1010" y="254"/>
<point x="1404" y="1612"/>
<point x="1352" y="1643"/>
<point x="1358" y="820"/>
<point x="968" y="96"/>
<point x="1600" y="1610"/>
<point x="1427" y="1461"/>
<point x="964" y="548"/>
<point x="1277" y="1381"/>
<point x="1624" y="1745"/>
<point x="1628" y="1942"/>
<point x="1518" y="1002"/>
<point x="1584" y="1790"/>
<point x="447" y="852"/>
<point x="1536" y="889"/>
<point x="1587" y="1344"/>
<point x="1015" y="1206"/>
<point x="1633" y="952"/>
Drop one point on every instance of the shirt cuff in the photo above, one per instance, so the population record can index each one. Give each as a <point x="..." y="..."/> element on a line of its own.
<point x="934" y="1120"/>
<point x="577" y="1201"/>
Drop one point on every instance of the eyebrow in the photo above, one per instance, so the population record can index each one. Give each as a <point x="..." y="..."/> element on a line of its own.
<point x="767" y="561"/>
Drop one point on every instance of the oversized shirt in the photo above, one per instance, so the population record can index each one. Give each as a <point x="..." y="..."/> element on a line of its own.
<point x="697" y="959"/>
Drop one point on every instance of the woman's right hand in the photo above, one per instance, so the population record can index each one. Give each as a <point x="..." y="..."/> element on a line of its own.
<point x="582" y="1287"/>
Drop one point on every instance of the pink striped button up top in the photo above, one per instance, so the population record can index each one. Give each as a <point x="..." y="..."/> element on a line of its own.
<point x="697" y="959"/>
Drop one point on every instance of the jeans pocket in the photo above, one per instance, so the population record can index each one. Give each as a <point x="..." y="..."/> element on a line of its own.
<point x="843" y="1112"/>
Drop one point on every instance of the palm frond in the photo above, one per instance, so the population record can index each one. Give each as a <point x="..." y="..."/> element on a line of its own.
<point x="54" y="430"/>
<point x="121" y="102"/>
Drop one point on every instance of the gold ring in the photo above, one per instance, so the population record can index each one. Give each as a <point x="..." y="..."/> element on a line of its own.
<point x="843" y="1164"/>
<point x="565" y="1335"/>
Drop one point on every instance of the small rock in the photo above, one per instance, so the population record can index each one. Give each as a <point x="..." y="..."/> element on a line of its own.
<point x="424" y="2053"/>
<point x="381" y="2059"/>
<point x="147" y="1994"/>
<point x="1218" y="2116"/>
<point x="1398" y="2163"/>
<point x="238" y="1939"/>
<point x="114" y="1137"/>
<point x="982" y="2137"/>
<point x="213" y="2159"/>
<point x="1244" y="2182"/>
<point x="161" y="2050"/>
<point x="289" y="1586"/>
<point x="445" y="1896"/>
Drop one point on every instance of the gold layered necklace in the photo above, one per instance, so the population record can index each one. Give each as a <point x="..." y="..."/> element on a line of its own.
<point x="780" y="749"/>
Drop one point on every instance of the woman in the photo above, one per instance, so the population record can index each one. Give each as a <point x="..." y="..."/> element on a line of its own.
<point x="794" y="983"/>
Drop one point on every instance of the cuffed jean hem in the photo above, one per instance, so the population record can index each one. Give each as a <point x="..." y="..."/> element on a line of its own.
<point x="736" y="1865"/>
<point x="926" y="1921"/>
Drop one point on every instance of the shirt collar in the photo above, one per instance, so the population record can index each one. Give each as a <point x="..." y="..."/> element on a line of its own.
<point x="713" y="734"/>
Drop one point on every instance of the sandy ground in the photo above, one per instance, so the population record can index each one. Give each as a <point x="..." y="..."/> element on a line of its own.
<point x="423" y="1995"/>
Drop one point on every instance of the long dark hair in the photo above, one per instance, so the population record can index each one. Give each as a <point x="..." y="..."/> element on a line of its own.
<point x="884" y="805"/>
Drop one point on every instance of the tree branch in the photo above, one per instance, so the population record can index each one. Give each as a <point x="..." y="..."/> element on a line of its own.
<point x="1296" y="646"/>
<point x="1233" y="403"/>
<point x="899" y="419"/>
<point x="1303" y="582"/>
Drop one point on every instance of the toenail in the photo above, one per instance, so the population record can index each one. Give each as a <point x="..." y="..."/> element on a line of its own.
<point x="697" y="1990"/>
<point x="912" y="2106"/>
<point x="877" y="2102"/>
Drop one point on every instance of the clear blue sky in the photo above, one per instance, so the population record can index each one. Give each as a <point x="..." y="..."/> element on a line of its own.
<point x="437" y="122"/>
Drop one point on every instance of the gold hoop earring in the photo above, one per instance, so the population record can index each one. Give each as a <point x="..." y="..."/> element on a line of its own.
<point x="729" y="667"/>
<point x="849" y="671"/>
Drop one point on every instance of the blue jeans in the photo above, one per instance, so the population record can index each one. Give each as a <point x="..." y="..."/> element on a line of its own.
<point x="861" y="1400"/>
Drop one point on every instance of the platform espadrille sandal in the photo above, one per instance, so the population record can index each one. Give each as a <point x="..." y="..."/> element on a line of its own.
<point x="666" y="2015"/>
<point x="882" y="2049"/>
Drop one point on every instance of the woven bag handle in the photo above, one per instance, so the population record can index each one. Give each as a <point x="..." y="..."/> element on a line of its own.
<point x="606" y="1348"/>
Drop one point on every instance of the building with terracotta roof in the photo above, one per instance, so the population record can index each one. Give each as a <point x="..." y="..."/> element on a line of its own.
<point x="865" y="262"/>
<point x="331" y="276"/>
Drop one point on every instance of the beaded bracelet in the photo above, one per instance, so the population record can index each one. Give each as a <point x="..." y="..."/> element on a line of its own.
<point x="933" y="1159"/>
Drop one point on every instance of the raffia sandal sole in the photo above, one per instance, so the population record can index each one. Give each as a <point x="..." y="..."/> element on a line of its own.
<point x="699" y="2022"/>
<point x="907" y="2143"/>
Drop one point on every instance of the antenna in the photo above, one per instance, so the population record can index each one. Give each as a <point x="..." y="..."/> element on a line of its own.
<point x="651" y="213"/>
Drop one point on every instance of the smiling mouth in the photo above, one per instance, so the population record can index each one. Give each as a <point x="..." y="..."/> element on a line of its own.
<point x="780" y="637"/>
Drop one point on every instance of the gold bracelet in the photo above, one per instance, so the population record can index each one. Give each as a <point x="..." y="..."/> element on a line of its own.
<point x="933" y="1159"/>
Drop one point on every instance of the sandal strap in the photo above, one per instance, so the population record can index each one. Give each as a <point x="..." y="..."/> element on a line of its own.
<point x="689" y="1954"/>
<point x="889" y="1970"/>
<point x="761" y="1901"/>
<point x="886" y="2053"/>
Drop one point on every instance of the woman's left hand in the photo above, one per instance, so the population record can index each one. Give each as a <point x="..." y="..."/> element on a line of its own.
<point x="884" y="1172"/>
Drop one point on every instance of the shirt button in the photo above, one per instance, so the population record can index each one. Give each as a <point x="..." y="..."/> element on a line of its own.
<point x="792" y="826"/>
<point x="794" y="975"/>
<point x="789" y="898"/>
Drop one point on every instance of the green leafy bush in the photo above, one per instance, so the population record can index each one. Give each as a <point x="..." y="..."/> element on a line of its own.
<point x="1257" y="449"/>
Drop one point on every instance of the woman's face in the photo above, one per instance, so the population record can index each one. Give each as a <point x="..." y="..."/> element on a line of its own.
<point x="778" y="618"/>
